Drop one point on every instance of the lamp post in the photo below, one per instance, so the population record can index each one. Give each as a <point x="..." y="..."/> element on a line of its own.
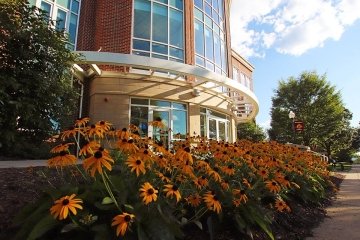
<point x="292" y="116"/>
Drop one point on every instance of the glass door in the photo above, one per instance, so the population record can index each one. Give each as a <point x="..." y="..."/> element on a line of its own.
<point x="217" y="129"/>
<point x="160" y="135"/>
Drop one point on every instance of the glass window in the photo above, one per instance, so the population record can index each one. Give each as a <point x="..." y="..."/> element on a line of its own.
<point x="64" y="3"/>
<point x="198" y="3"/>
<point x="141" y="45"/>
<point x="159" y="103"/>
<point x="75" y="6"/>
<point x="216" y="5"/>
<point x="180" y="106"/>
<point x="179" y="123"/>
<point x="176" y="28"/>
<point x="208" y="21"/>
<point x="160" y="23"/>
<point x="160" y="48"/>
<point x="175" y="52"/>
<point x="141" y="53"/>
<point x="221" y="8"/>
<point x="199" y="37"/>
<point x="177" y="4"/>
<point x="203" y="126"/>
<point x="212" y="129"/>
<point x="60" y="20"/>
<point x="200" y="61"/>
<point x="154" y="55"/>
<point x="199" y="14"/>
<point x="142" y="19"/>
<point x="222" y="130"/>
<point x="140" y="118"/>
<point x="162" y="1"/>
<point x="47" y="8"/>
<point x="217" y="49"/>
<point x="208" y="9"/>
<point x="223" y="56"/>
<point x="209" y="54"/>
<point x="73" y="28"/>
<point x="210" y="66"/>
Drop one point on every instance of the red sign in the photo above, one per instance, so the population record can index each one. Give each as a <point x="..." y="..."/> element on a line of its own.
<point x="299" y="126"/>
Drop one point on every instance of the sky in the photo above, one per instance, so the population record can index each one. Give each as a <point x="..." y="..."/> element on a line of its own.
<point x="283" y="38"/>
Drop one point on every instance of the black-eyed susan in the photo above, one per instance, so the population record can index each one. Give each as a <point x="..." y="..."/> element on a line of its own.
<point x="241" y="195"/>
<point x="201" y="182"/>
<point x="148" y="193"/>
<point x="225" y="184"/>
<point x="63" y="206"/>
<point x="157" y="123"/>
<point x="123" y="134"/>
<point x="95" y="130"/>
<point x="281" y="206"/>
<point x="212" y="201"/>
<point x="62" y="160"/>
<point x="172" y="190"/>
<point x="89" y="148"/>
<point x="81" y="122"/>
<point x="263" y="173"/>
<point x="273" y="186"/>
<point x="123" y="222"/>
<point x="61" y="147"/>
<point x="96" y="163"/>
<point x="246" y="183"/>
<point x="193" y="200"/>
<point x="70" y="132"/>
<point x="228" y="169"/>
<point x="104" y="125"/>
<point x="127" y="146"/>
<point x="215" y="174"/>
<point x="163" y="177"/>
<point x="136" y="164"/>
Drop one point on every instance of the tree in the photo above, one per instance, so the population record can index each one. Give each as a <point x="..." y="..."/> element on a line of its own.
<point x="35" y="83"/>
<point x="250" y="131"/>
<point x="315" y="102"/>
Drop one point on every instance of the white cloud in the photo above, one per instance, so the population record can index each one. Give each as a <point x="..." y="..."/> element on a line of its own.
<point x="291" y="27"/>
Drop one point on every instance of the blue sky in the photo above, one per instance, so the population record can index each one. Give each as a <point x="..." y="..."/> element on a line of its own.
<point x="283" y="38"/>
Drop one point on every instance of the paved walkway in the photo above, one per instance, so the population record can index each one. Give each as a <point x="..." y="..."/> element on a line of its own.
<point x="24" y="163"/>
<point x="343" y="217"/>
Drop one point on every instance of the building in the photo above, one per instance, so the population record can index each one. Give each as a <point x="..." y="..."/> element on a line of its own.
<point x="146" y="60"/>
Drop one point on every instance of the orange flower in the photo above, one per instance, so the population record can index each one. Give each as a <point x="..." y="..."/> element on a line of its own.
<point x="82" y="121"/>
<point x="148" y="193"/>
<point x="96" y="162"/>
<point x="62" y="160"/>
<point x="172" y="190"/>
<point x="201" y="182"/>
<point x="71" y="132"/>
<point x="281" y="206"/>
<point x="273" y="186"/>
<point x="62" y="206"/>
<point x="127" y="146"/>
<point x="225" y="184"/>
<point x="123" y="222"/>
<point x="229" y="169"/>
<point x="89" y="148"/>
<point x="61" y="147"/>
<point x="194" y="200"/>
<point x="136" y="164"/>
<point x="240" y="195"/>
<point x="212" y="201"/>
<point x="95" y="130"/>
<point x="104" y="125"/>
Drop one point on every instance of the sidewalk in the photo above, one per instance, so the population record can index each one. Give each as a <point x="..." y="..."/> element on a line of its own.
<point x="24" y="163"/>
<point x="343" y="216"/>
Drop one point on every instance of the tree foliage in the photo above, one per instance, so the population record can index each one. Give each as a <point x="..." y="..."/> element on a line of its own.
<point x="250" y="131"/>
<point x="319" y="105"/>
<point x="35" y="84"/>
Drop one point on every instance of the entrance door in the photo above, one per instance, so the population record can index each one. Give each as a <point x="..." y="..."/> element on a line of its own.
<point x="217" y="129"/>
<point x="161" y="134"/>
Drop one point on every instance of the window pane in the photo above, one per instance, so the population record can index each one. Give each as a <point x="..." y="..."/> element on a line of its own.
<point x="212" y="129"/>
<point x="209" y="1"/>
<point x="210" y="66"/>
<point x="199" y="3"/>
<point x="200" y="61"/>
<point x="177" y="4"/>
<point x="223" y="56"/>
<point x="141" y="45"/>
<point x="72" y="28"/>
<point x="179" y="106"/>
<point x="209" y="44"/>
<point x="208" y="9"/>
<point x="179" y="123"/>
<point x="154" y="55"/>
<point x="176" y="60"/>
<point x="203" y="126"/>
<point x="208" y="21"/>
<point x="160" y="23"/>
<point x="139" y="117"/>
<point x="46" y="7"/>
<point x="199" y="14"/>
<point x="60" y="20"/>
<point x="64" y="3"/>
<point x="176" y="28"/>
<point x="160" y="48"/>
<point x="159" y="103"/>
<point x="75" y="6"/>
<point x="142" y="19"/>
<point x="162" y="1"/>
<point x="175" y="52"/>
<point x="199" y="37"/>
<point x="217" y="49"/>
<point x="140" y="101"/>
<point x="221" y="8"/>
<point x="216" y="5"/>
<point x="222" y="132"/>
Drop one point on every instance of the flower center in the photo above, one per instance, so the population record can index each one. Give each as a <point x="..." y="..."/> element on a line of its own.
<point x="175" y="188"/>
<point x="93" y="126"/>
<point x="65" y="202"/>
<point x="273" y="183"/>
<point x="102" y="123"/>
<point x="242" y="192"/>
<point x="187" y="149"/>
<point x="130" y="141"/>
<point x="127" y="218"/>
<point x="98" y="154"/>
<point x="138" y="162"/>
<point x="150" y="191"/>
<point x="63" y="153"/>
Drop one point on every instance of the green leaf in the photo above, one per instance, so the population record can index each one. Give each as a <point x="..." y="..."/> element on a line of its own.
<point x="69" y="227"/>
<point x="209" y="222"/>
<point x="107" y="200"/>
<point x="42" y="226"/>
<point x="199" y="224"/>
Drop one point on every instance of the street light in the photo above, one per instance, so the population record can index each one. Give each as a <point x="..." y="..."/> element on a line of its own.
<point x="292" y="116"/>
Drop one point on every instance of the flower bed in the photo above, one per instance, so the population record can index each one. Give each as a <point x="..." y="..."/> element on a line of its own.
<point x="135" y="188"/>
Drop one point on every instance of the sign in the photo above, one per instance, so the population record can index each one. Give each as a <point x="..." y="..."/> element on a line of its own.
<point x="299" y="126"/>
